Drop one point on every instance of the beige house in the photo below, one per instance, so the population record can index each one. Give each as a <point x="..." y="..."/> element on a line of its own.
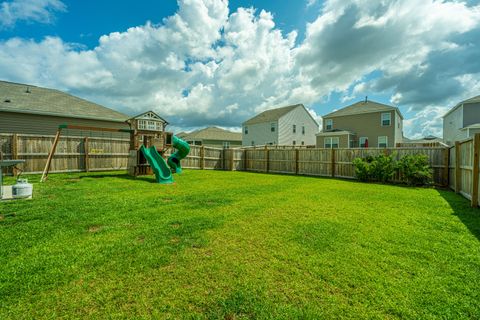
<point x="213" y="137"/>
<point x="27" y="109"/>
<point x="360" y="125"/>
<point x="291" y="125"/>
<point x="462" y="121"/>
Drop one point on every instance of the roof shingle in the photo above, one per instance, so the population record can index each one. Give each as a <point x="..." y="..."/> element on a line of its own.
<point x="23" y="98"/>
<point x="362" y="107"/>
<point x="271" y="115"/>
<point x="211" y="133"/>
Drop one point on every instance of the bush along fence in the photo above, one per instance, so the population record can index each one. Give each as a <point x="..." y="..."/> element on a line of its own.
<point x="456" y="167"/>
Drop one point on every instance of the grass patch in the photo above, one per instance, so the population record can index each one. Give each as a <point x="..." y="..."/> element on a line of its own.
<point x="235" y="245"/>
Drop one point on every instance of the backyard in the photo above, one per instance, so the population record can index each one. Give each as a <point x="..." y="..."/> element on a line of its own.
<point x="233" y="245"/>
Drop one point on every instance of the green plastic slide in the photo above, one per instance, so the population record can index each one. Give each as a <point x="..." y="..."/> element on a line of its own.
<point x="183" y="148"/>
<point x="157" y="163"/>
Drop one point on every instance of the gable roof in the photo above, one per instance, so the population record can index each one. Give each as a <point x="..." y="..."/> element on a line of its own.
<point x="273" y="114"/>
<point x="149" y="115"/>
<point x="471" y="100"/>
<point x="211" y="133"/>
<point x="362" y="107"/>
<point x="23" y="98"/>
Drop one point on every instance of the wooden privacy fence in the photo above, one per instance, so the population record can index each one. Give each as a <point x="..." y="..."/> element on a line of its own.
<point x="327" y="162"/>
<point x="456" y="167"/>
<point x="73" y="154"/>
<point x="464" y="168"/>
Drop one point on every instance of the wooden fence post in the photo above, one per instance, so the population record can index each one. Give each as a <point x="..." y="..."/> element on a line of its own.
<point x="267" y="159"/>
<point x="333" y="162"/>
<point x="476" y="155"/>
<point x="14" y="151"/>
<point x="446" y="172"/>
<point x="297" y="156"/>
<point x="245" y="160"/>
<point x="224" y="159"/>
<point x="86" y="152"/>
<point x="202" y="157"/>
<point x="232" y="159"/>
<point x="457" y="167"/>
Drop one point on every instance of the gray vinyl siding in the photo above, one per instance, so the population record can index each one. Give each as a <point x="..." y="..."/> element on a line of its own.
<point x="299" y="117"/>
<point x="23" y="123"/>
<point x="471" y="114"/>
<point x="452" y="125"/>
<point x="260" y="134"/>
<point x="398" y="129"/>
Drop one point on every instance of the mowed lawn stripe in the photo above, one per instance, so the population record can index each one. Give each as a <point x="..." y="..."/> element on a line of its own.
<point x="237" y="245"/>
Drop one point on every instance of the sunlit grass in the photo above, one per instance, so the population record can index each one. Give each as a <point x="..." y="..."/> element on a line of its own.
<point x="237" y="245"/>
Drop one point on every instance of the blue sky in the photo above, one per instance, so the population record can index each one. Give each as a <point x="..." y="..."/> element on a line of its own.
<point x="215" y="62"/>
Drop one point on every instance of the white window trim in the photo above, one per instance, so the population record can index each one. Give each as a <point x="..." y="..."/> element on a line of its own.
<point x="386" y="141"/>
<point x="331" y="139"/>
<point x="328" y="123"/>
<point x="245" y="130"/>
<point x="360" y="141"/>
<point x="389" y="119"/>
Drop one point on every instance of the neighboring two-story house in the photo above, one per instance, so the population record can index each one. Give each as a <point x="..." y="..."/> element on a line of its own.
<point x="462" y="121"/>
<point x="292" y="125"/>
<point x="362" y="124"/>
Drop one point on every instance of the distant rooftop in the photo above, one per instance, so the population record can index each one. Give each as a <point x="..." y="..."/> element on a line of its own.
<point x="471" y="100"/>
<point x="25" y="98"/>
<point x="211" y="133"/>
<point x="362" y="107"/>
<point x="271" y="115"/>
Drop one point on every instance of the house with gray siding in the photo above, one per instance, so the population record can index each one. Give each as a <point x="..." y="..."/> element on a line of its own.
<point x="291" y="125"/>
<point x="462" y="121"/>
<point x="360" y="125"/>
<point x="28" y="109"/>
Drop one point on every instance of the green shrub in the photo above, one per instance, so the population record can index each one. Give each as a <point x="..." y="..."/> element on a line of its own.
<point x="362" y="169"/>
<point x="415" y="169"/>
<point x="380" y="168"/>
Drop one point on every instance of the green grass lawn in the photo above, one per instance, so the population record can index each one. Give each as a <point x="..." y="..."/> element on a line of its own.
<point x="234" y="245"/>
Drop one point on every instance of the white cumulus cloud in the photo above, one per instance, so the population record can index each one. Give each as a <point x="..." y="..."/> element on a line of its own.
<point x="205" y="65"/>
<point x="42" y="11"/>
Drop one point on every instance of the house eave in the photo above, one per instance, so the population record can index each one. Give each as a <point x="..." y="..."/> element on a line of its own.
<point x="53" y="114"/>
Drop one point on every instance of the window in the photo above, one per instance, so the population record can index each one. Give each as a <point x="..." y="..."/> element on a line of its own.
<point x="272" y="126"/>
<point x="245" y="130"/>
<point x="226" y="144"/>
<point x="294" y="142"/>
<point x="330" y="143"/>
<point x="303" y="143"/>
<point x="386" y="119"/>
<point x="151" y="125"/>
<point x="253" y="143"/>
<point x="363" y="142"/>
<point x="328" y="124"/>
<point x="141" y="124"/>
<point x="294" y="129"/>
<point x="382" y="141"/>
<point x="303" y="130"/>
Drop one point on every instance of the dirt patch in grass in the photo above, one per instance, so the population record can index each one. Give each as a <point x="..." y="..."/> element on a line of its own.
<point x="95" y="228"/>
<point x="175" y="240"/>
